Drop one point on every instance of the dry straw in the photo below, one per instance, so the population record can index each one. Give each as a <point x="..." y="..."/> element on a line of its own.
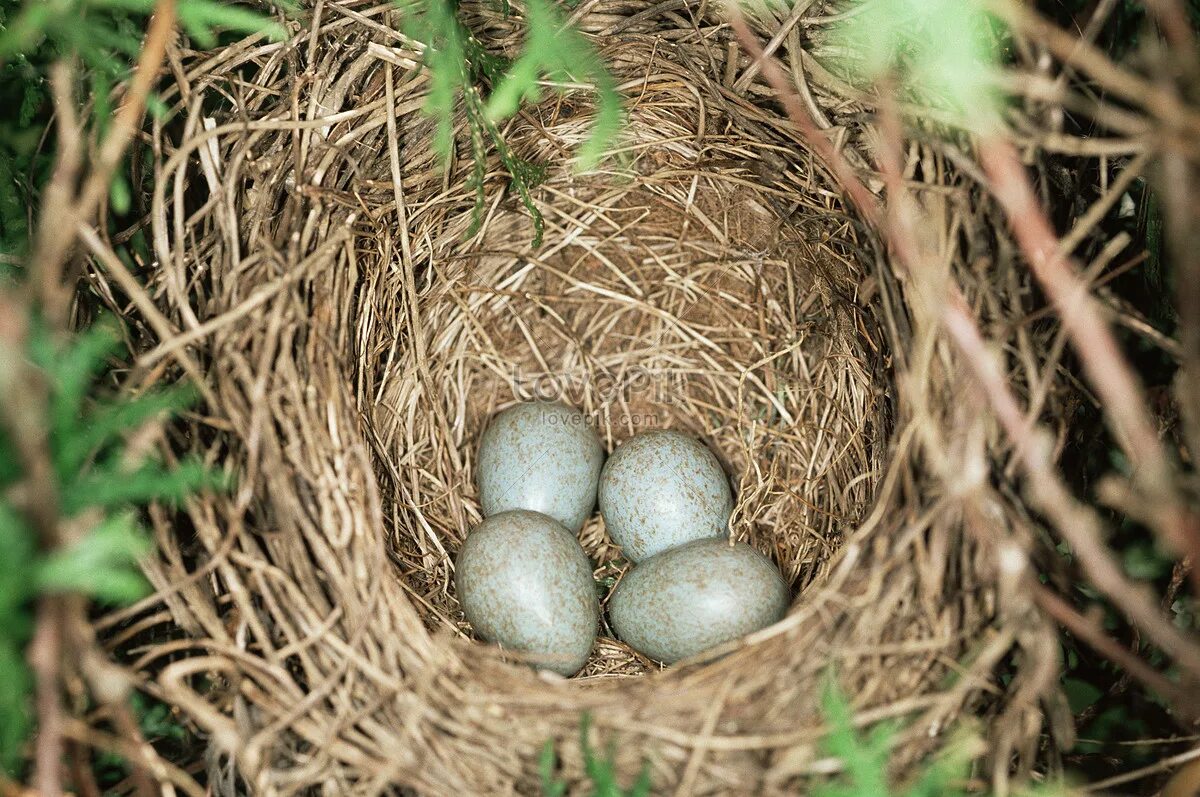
<point x="314" y="268"/>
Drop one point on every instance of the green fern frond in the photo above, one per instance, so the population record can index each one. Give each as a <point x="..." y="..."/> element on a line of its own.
<point x="113" y="487"/>
<point x="459" y="66"/>
<point x="15" y="687"/>
<point x="944" y="54"/>
<point x="560" y="53"/>
<point x="601" y="771"/>
<point x="101" y="565"/>
<point x="16" y="540"/>
<point x="551" y="786"/>
<point x="72" y="370"/>
<point x="106" y="425"/>
<point x="865" y="759"/>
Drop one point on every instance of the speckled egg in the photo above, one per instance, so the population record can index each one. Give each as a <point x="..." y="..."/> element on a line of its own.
<point x="542" y="456"/>
<point x="661" y="489"/>
<point x="523" y="581"/>
<point x="694" y="597"/>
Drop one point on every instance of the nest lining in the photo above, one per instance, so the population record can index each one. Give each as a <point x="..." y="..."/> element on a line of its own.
<point x="673" y="291"/>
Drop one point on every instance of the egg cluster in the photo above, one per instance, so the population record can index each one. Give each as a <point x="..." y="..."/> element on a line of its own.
<point x="524" y="581"/>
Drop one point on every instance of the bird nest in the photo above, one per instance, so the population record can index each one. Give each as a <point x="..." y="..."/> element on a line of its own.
<point x="318" y="271"/>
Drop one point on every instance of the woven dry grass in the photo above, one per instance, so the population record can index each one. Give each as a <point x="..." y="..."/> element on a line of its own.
<point x="351" y="341"/>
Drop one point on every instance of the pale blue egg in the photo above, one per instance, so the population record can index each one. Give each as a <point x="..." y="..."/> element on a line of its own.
<point x="524" y="581"/>
<point x="541" y="456"/>
<point x="694" y="597"/>
<point x="661" y="489"/>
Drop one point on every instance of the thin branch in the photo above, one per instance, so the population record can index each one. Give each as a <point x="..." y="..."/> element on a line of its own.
<point x="843" y="172"/>
<point x="1088" y="58"/>
<point x="1091" y="633"/>
<point x="1173" y="20"/>
<point x="1144" y="772"/>
<point x="1077" y="523"/>
<point x="23" y="392"/>
<point x="57" y="200"/>
<point x="1123" y="399"/>
<point x="23" y="395"/>
<point x="60" y="213"/>
<point x="45" y="658"/>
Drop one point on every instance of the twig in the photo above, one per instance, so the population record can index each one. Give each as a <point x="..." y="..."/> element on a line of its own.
<point x="1090" y="59"/>
<point x="129" y="117"/>
<point x="23" y="392"/>
<point x="1105" y="645"/>
<point x="845" y="175"/>
<point x="1077" y="523"/>
<point x="45" y="657"/>
<point x="22" y="399"/>
<point x="1173" y="21"/>
<point x="1153" y="769"/>
<point x="81" y="771"/>
<point x="1124" y="401"/>
<point x="51" y="245"/>
<point x="1185" y="782"/>
<point x="61" y="212"/>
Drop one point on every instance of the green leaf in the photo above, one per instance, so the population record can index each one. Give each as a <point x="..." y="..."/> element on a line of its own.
<point x="943" y="52"/>
<point x="111" y="488"/>
<point x="949" y="770"/>
<point x="864" y="760"/>
<point x="641" y="787"/>
<point x="102" y="565"/>
<point x="203" y="18"/>
<point x="456" y="62"/>
<point x="16" y="683"/>
<point x="560" y="53"/>
<point x="16" y="582"/>
<point x="27" y="30"/>
<point x="141" y="7"/>
<point x="435" y="24"/>
<point x="157" y="108"/>
<point x="1145" y="562"/>
<point x="1080" y="693"/>
<point x="10" y="466"/>
<point x="107" y="424"/>
<point x="551" y="786"/>
<point x="73" y="371"/>
<point x="119" y="196"/>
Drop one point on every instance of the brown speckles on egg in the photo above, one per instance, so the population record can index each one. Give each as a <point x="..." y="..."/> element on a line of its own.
<point x="661" y="489"/>
<point x="524" y="582"/>
<point x="695" y="597"/>
<point x="541" y="456"/>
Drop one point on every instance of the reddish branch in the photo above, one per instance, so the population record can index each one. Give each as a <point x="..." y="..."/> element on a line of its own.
<point x="1078" y="524"/>
<point x="1091" y="633"/>
<point x="1123" y="399"/>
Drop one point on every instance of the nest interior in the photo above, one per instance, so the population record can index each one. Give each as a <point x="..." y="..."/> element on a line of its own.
<point x="675" y="290"/>
<point x="317" y="272"/>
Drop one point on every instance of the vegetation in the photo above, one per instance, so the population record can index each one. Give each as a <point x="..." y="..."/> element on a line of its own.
<point x="72" y="475"/>
<point x="74" y="481"/>
<point x="460" y="68"/>
<point x="601" y="771"/>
